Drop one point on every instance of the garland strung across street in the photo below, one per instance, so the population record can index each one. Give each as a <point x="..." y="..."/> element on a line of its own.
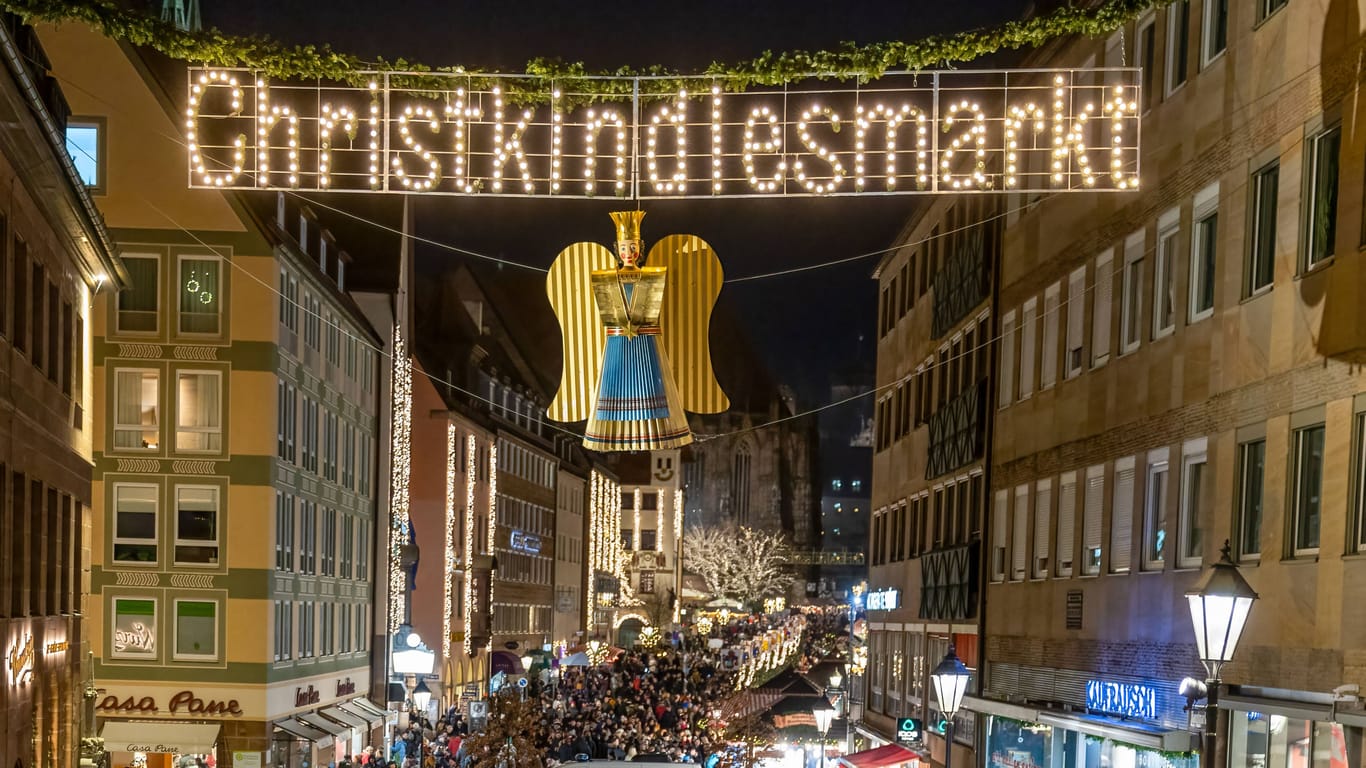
<point x="848" y="62"/>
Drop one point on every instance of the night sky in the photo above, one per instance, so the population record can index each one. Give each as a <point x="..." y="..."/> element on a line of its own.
<point x="805" y="325"/>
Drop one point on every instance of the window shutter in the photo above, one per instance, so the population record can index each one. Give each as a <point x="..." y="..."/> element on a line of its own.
<point x="1076" y="316"/>
<point x="1100" y="327"/>
<point x="1048" y="356"/>
<point x="1020" y="533"/>
<point x="1095" y="499"/>
<point x="1043" y="509"/>
<point x="1028" y="329"/>
<point x="998" y="536"/>
<point x="1067" y="522"/>
<point x="1006" y="377"/>
<point x="1122" y="523"/>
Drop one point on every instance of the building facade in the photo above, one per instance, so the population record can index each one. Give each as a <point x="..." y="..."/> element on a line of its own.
<point x="651" y="498"/>
<point x="1178" y="370"/>
<point x="930" y="442"/>
<point x="235" y="391"/>
<point x="55" y="254"/>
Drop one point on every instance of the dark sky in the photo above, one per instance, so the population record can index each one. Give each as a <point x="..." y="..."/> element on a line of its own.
<point x="805" y="325"/>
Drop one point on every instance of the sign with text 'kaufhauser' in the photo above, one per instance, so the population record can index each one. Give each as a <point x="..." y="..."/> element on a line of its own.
<point x="1039" y="130"/>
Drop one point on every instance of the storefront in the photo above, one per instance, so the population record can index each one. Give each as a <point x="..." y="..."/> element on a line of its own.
<point x="1270" y="729"/>
<point x="160" y="744"/>
<point x="296" y="744"/>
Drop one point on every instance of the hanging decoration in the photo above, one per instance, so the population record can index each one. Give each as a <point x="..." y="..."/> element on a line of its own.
<point x="847" y="62"/>
<point x="635" y="339"/>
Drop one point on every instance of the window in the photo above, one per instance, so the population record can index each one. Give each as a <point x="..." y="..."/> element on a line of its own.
<point x="1028" y="329"/>
<point x="1261" y="256"/>
<point x="1251" y="475"/>
<point x="1307" y="487"/>
<point x="999" y="521"/>
<point x="1155" y="511"/>
<point x="1204" y="250"/>
<point x="1100" y="320"/>
<point x="1215" y="30"/>
<point x="1267" y="7"/>
<point x="329" y="542"/>
<point x="647" y="582"/>
<point x="199" y="417"/>
<point x="1043" y="510"/>
<point x="1147" y="60"/>
<point x="199" y="293"/>
<point x="1131" y="301"/>
<point x="196" y="535"/>
<point x="196" y="630"/>
<point x="1048" y="364"/>
<point x="627" y="537"/>
<point x="1164" y="271"/>
<point x="1178" y="43"/>
<point x="284" y="630"/>
<point x="21" y="294"/>
<point x="648" y="540"/>
<point x="138" y="302"/>
<point x="1019" y="534"/>
<point x="284" y="532"/>
<point x="135" y="629"/>
<point x="85" y="146"/>
<point x="1193" y="463"/>
<point x="1321" y="208"/>
<point x="1007" y="374"/>
<point x="306" y="625"/>
<point x="1076" y="321"/>
<point x="136" y="421"/>
<point x="308" y="537"/>
<point x="1090" y="524"/>
<point x="1122" y="517"/>
<point x="1067" y="523"/>
<point x="135" y="524"/>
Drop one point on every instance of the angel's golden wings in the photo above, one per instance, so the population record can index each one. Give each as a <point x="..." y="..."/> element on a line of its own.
<point x="692" y="282"/>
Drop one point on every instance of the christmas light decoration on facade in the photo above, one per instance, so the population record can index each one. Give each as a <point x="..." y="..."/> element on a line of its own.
<point x="450" y="559"/>
<point x="401" y="406"/>
<point x="493" y="507"/>
<point x="471" y="477"/>
<point x="635" y="504"/>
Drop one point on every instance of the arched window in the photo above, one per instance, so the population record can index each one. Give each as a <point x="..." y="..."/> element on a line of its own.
<point x="739" y="484"/>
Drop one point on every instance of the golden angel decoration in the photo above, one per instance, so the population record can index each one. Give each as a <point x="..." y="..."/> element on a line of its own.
<point x="636" y="338"/>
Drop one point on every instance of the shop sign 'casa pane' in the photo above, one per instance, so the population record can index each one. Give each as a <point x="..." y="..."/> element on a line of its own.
<point x="1041" y="130"/>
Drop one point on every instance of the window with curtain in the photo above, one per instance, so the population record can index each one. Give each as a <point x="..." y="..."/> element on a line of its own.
<point x="199" y="295"/>
<point x="138" y="302"/>
<point x="1322" y="209"/>
<point x="137" y="423"/>
<point x="199" y="417"/>
<point x="135" y="524"/>
<point x="196" y="535"/>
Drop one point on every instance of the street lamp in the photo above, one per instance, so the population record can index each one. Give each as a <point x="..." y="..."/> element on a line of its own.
<point x="835" y="679"/>
<point x="950" y="680"/>
<point x="823" y="719"/>
<point x="1220" y="602"/>
<point x="422" y="695"/>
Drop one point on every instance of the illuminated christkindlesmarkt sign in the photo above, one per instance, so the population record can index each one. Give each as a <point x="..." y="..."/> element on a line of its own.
<point x="947" y="131"/>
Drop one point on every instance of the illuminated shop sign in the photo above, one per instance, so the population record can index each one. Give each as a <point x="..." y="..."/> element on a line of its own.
<point x="134" y="633"/>
<point x="184" y="702"/>
<point x="908" y="730"/>
<point x="1039" y="130"/>
<point x="20" y="659"/>
<point x="1126" y="699"/>
<point x="884" y="599"/>
<point x="526" y="542"/>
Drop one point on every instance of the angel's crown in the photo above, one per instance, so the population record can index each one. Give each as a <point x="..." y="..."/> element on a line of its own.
<point x="628" y="224"/>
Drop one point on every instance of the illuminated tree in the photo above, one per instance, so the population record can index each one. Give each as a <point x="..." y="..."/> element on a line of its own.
<point x="741" y="563"/>
<point x="508" y="741"/>
<point x="749" y="735"/>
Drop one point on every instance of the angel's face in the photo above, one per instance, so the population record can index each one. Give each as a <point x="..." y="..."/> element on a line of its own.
<point x="629" y="252"/>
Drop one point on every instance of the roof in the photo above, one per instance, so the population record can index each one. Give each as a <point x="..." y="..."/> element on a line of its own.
<point x="889" y="755"/>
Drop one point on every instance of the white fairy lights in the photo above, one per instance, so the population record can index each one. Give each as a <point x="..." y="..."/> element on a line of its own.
<point x="451" y="561"/>
<point x="401" y="407"/>
<point x="471" y="477"/>
<point x="964" y="132"/>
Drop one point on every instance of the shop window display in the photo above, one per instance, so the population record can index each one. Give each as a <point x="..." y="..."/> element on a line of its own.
<point x="1260" y="740"/>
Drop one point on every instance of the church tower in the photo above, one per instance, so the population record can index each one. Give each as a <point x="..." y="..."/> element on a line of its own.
<point x="184" y="14"/>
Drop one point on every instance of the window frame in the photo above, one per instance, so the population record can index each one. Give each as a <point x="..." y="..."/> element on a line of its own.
<point x="1241" y="498"/>
<point x="101" y="126"/>
<point x="1357" y="544"/>
<point x="1029" y="316"/>
<point x="140" y="428"/>
<point x="1041" y="552"/>
<point x="1048" y="337"/>
<point x="1267" y="9"/>
<point x="1103" y="328"/>
<point x="1094" y="473"/>
<point x="1132" y="294"/>
<point x="221" y="277"/>
<point x="1207" y="56"/>
<point x="217" y="540"/>
<point x="218" y="430"/>
<point x="1165" y="255"/>
<point x="1076" y="306"/>
<point x="217" y="630"/>
<point x="156" y="294"/>
<point x="1171" y="86"/>
<point x="1148" y="68"/>
<point x="1159" y="463"/>
<point x="1308" y="263"/>
<point x="116" y="540"/>
<point x="1193" y="452"/>
<point x="1296" y="465"/>
<point x="1064" y="557"/>
<point x="1270" y="170"/>
<point x="1005" y="379"/>
<point x="1204" y="213"/>
<point x="114" y="601"/>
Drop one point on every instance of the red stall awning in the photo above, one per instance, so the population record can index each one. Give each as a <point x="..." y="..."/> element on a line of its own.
<point x="882" y="757"/>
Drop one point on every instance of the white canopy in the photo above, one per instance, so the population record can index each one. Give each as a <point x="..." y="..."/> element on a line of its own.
<point x="162" y="737"/>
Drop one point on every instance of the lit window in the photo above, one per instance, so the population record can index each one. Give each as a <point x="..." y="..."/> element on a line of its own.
<point x="136" y="411"/>
<point x="196" y="535"/>
<point x="85" y="145"/>
<point x="135" y="524"/>
<point x="199" y="407"/>
<point x="135" y="629"/>
<point x="199" y="295"/>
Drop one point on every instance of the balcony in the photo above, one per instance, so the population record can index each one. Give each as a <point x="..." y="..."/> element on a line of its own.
<point x="957" y="432"/>
<point x="949" y="583"/>
<point x="963" y="283"/>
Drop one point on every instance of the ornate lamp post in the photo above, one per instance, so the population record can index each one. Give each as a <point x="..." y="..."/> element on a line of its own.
<point x="823" y="719"/>
<point x="1220" y="602"/>
<point x="950" y="680"/>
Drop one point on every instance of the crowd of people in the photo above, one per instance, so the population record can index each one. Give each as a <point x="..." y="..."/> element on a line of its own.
<point x="652" y="705"/>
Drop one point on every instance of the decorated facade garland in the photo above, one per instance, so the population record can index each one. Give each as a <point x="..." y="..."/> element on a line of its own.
<point x="849" y="61"/>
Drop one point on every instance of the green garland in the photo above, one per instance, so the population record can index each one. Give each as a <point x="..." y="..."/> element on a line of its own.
<point x="849" y="61"/>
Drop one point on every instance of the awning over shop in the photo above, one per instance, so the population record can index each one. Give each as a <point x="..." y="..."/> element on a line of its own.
<point x="365" y="705"/>
<point x="323" y="724"/>
<point x="180" y="738"/>
<point x="882" y="757"/>
<point x="345" y="718"/>
<point x="372" y="715"/>
<point x="1129" y="732"/>
<point x="304" y="731"/>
